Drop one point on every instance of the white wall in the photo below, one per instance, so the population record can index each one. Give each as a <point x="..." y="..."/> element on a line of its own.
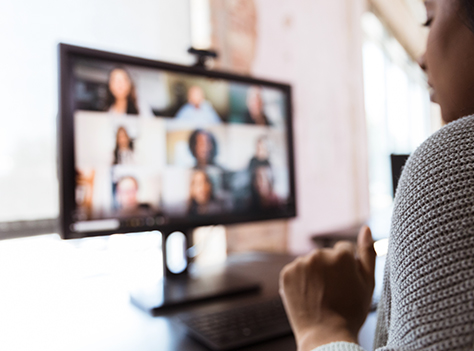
<point x="29" y="33"/>
<point x="316" y="46"/>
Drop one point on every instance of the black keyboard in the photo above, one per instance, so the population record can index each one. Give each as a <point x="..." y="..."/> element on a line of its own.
<point x="240" y="326"/>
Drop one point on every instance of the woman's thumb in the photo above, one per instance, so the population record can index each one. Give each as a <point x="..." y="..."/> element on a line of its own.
<point x="365" y="249"/>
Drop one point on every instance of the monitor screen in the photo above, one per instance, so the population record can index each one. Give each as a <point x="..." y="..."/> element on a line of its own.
<point x="146" y="145"/>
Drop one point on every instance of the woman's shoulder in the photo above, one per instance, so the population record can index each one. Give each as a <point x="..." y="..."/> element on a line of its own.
<point x="432" y="237"/>
<point x="450" y="138"/>
<point x="448" y="147"/>
<point x="441" y="170"/>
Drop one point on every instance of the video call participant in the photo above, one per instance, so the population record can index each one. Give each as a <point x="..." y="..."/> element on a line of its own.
<point x="263" y="196"/>
<point x="197" y="111"/>
<point x="261" y="155"/>
<point x="202" y="200"/>
<point x="203" y="147"/>
<point x="255" y="108"/>
<point x="85" y="192"/>
<point x="121" y="95"/>
<point x="126" y="197"/>
<point x="123" y="152"/>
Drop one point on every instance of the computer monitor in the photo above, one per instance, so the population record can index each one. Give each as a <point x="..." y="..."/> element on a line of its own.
<point x="147" y="145"/>
<point x="397" y="162"/>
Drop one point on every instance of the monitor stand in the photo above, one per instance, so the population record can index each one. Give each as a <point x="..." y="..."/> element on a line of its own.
<point x="184" y="287"/>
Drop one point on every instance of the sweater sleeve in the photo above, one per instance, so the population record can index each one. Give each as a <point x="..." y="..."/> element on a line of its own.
<point x="381" y="330"/>
<point x="339" y="346"/>
<point x="383" y="310"/>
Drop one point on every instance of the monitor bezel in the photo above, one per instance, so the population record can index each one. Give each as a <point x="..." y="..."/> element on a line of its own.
<point x="66" y="155"/>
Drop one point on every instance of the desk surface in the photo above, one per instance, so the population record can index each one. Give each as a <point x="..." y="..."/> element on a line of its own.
<point x="54" y="297"/>
<point x="95" y="313"/>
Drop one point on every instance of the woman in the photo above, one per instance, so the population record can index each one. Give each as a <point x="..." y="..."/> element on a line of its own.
<point x="121" y="96"/>
<point x="203" y="147"/>
<point x="255" y="113"/>
<point x="123" y="152"/>
<point x="427" y="301"/>
<point x="202" y="200"/>
<point x="264" y="198"/>
<point x="261" y="157"/>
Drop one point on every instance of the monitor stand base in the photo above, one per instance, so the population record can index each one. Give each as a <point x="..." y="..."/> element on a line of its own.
<point x="176" y="291"/>
<point x="189" y="285"/>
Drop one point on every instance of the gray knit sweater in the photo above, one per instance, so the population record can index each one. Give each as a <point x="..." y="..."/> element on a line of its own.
<point x="428" y="297"/>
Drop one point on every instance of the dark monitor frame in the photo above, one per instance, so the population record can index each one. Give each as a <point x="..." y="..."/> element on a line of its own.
<point x="66" y="157"/>
<point x="397" y="162"/>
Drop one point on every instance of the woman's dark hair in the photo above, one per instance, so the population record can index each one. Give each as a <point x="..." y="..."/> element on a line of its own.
<point x="116" y="150"/>
<point x="132" y="107"/>
<point x="212" y="139"/>
<point x="468" y="8"/>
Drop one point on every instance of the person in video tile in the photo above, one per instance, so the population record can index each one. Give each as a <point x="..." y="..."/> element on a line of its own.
<point x="263" y="196"/>
<point x="126" y="196"/>
<point x="121" y="95"/>
<point x="123" y="152"/>
<point x="203" y="146"/>
<point x="261" y="155"/>
<point x="197" y="110"/>
<point x="85" y="192"/>
<point x="202" y="199"/>
<point x="255" y="108"/>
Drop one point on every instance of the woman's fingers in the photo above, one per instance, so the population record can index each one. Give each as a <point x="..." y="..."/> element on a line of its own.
<point x="345" y="246"/>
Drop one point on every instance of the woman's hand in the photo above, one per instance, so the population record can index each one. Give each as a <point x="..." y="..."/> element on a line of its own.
<point x="327" y="293"/>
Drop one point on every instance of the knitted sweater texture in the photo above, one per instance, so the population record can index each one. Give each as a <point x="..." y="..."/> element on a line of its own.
<point x="428" y="297"/>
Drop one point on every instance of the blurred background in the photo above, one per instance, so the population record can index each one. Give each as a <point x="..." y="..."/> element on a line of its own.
<point x="359" y="95"/>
